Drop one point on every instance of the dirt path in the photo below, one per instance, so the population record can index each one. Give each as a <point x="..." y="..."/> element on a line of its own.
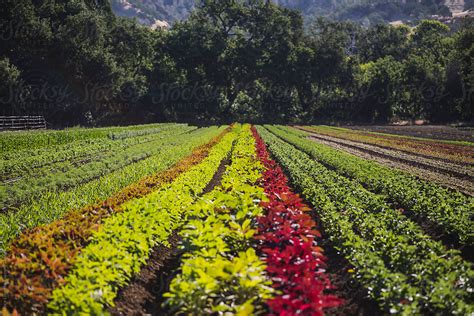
<point x="449" y="174"/>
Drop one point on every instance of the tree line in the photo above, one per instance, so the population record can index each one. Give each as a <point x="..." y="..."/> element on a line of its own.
<point x="75" y="62"/>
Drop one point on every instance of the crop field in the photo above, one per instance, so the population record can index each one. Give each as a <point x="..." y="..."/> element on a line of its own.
<point x="173" y="219"/>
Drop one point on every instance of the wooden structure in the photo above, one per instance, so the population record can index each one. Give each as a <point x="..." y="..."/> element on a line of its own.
<point x="18" y="123"/>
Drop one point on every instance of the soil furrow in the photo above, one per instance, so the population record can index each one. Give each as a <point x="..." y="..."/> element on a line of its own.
<point x="449" y="178"/>
<point x="462" y="165"/>
<point x="427" y="131"/>
<point x="356" y="298"/>
<point x="149" y="283"/>
<point x="452" y="168"/>
<point x="435" y="231"/>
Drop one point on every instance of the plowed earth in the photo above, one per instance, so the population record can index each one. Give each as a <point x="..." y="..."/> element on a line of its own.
<point x="450" y="174"/>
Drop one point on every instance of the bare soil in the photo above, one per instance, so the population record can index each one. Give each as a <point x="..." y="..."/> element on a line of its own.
<point x="425" y="131"/>
<point x="151" y="282"/>
<point x="450" y="174"/>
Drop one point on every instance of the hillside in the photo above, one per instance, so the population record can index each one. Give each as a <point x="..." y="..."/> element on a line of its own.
<point x="363" y="11"/>
<point x="148" y="11"/>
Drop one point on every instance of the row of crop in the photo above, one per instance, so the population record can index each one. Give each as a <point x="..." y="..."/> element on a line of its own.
<point x="123" y="242"/>
<point x="403" y="269"/>
<point x="44" y="255"/>
<point x="82" y="139"/>
<point x="389" y="135"/>
<point x="220" y="271"/>
<point x="67" y="175"/>
<point x="133" y="133"/>
<point x="45" y="160"/>
<point x="451" y="210"/>
<point x="288" y="234"/>
<point x="14" y="141"/>
<point x="437" y="134"/>
<point x="53" y="205"/>
<point x="429" y="148"/>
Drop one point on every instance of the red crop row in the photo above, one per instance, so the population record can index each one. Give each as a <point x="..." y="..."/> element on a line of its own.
<point x="287" y="238"/>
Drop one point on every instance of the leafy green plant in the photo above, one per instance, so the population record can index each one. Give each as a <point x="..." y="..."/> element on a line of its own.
<point x="61" y="176"/>
<point x="14" y="141"/>
<point x="124" y="241"/>
<point x="47" y="159"/>
<point x="288" y="235"/>
<point x="221" y="272"/>
<point x="451" y="210"/>
<point x="218" y="284"/>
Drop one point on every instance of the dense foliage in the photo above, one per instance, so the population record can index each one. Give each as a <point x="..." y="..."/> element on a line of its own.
<point x="75" y="62"/>
<point x="451" y="210"/>
<point x="240" y="240"/>
<point x="220" y="271"/>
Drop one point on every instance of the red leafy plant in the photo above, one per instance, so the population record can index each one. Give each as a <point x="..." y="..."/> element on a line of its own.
<point x="287" y="236"/>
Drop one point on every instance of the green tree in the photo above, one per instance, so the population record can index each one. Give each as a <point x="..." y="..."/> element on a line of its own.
<point x="463" y="58"/>
<point x="383" y="40"/>
<point x="430" y="37"/>
<point x="380" y="81"/>
<point x="322" y="64"/>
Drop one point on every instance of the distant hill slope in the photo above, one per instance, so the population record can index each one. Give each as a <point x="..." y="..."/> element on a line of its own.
<point x="363" y="11"/>
<point x="148" y="11"/>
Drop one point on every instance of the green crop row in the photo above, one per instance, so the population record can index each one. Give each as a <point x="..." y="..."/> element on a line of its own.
<point x="13" y="141"/>
<point x="124" y="241"/>
<point x="43" y="160"/>
<point x="220" y="271"/>
<point x="67" y="175"/>
<point x="52" y="205"/>
<point x="402" y="268"/>
<point x="451" y="210"/>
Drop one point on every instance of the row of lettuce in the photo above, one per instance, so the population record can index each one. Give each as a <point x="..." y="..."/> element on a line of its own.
<point x="29" y="160"/>
<point x="121" y="246"/>
<point x="405" y="270"/>
<point x="52" y="205"/>
<point x="220" y="270"/>
<point x="289" y="241"/>
<point x="451" y="210"/>
<point x="62" y="175"/>
<point x="249" y="246"/>
<point x="28" y="140"/>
